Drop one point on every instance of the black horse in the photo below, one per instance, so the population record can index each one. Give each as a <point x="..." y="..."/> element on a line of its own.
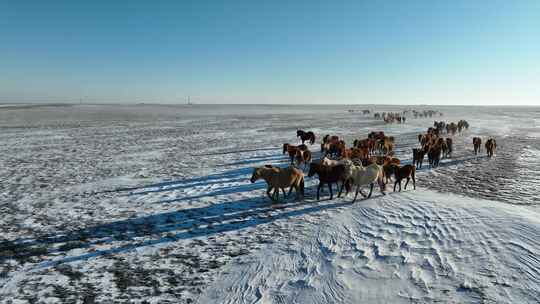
<point x="306" y="136"/>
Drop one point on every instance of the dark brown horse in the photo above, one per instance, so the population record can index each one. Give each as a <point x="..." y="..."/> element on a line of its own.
<point x="491" y="145"/>
<point x="477" y="143"/>
<point x="449" y="147"/>
<point x="306" y="136"/>
<point x="418" y="157"/>
<point x="434" y="155"/>
<point x="400" y="173"/>
<point x="328" y="175"/>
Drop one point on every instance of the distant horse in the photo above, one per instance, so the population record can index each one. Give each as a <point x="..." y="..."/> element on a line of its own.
<point x="376" y="135"/>
<point x="291" y="150"/>
<point x="477" y="143"/>
<point x="418" y="157"/>
<point x="408" y="172"/>
<point x="491" y="145"/>
<point x="280" y="178"/>
<point x="449" y="147"/>
<point x="359" y="176"/>
<point x="303" y="157"/>
<point x="434" y="155"/>
<point x="306" y="136"/>
<point x="328" y="175"/>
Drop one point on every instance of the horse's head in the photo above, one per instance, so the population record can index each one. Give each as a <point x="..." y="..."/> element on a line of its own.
<point x="299" y="133"/>
<point x="256" y="175"/>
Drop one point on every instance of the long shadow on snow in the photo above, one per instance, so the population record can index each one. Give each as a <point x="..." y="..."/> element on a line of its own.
<point x="178" y="225"/>
<point x="224" y="175"/>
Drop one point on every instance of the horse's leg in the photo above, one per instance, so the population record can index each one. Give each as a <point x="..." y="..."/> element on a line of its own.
<point x="331" y="193"/>
<point x="407" y="182"/>
<point x="382" y="186"/>
<point x="284" y="195"/>
<point x="290" y="190"/>
<point x="319" y="189"/>
<point x="268" y="192"/>
<point x="276" y="194"/>
<point x="395" y="183"/>
<point x="340" y="189"/>
<point x="370" y="190"/>
<point x="356" y="195"/>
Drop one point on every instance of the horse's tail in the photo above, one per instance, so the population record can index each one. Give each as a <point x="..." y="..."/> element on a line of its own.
<point x="312" y="141"/>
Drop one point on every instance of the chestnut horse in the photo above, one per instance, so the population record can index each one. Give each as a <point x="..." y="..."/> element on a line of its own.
<point x="408" y="172"/>
<point x="306" y="136"/>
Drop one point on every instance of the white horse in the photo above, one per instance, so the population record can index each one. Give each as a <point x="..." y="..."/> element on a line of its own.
<point x="360" y="176"/>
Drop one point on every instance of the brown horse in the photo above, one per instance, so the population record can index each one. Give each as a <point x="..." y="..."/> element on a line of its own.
<point x="449" y="147"/>
<point x="328" y="175"/>
<point x="303" y="157"/>
<point x="408" y="172"/>
<point x="280" y="178"/>
<point x="306" y="136"/>
<point x="491" y="145"/>
<point x="418" y="157"/>
<point x="386" y="145"/>
<point x="434" y="155"/>
<point x="477" y="143"/>
<point x="292" y="150"/>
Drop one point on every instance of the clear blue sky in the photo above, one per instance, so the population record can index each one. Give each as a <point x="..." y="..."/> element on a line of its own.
<point x="406" y="52"/>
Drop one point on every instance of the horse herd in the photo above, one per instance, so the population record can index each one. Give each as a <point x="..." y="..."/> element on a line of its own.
<point x="370" y="160"/>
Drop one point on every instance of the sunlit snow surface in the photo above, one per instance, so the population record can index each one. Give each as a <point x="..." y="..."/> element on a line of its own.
<point x="153" y="203"/>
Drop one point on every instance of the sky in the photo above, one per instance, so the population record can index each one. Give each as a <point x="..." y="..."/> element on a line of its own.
<point x="285" y="52"/>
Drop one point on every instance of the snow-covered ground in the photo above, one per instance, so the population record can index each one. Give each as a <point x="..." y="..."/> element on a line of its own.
<point x="153" y="204"/>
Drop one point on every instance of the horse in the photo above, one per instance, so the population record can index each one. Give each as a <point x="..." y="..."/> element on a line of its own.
<point x="280" y="178"/>
<point x="434" y="155"/>
<point x="359" y="175"/>
<point x="407" y="171"/>
<point x="418" y="157"/>
<point x="491" y="145"/>
<point x="306" y="136"/>
<point x="477" y="143"/>
<point x="303" y="157"/>
<point x="449" y="147"/>
<point x="444" y="148"/>
<point x="292" y="150"/>
<point x="328" y="175"/>
<point x="386" y="145"/>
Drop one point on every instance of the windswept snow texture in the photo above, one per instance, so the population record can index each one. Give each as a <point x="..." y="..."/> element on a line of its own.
<point x="153" y="204"/>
